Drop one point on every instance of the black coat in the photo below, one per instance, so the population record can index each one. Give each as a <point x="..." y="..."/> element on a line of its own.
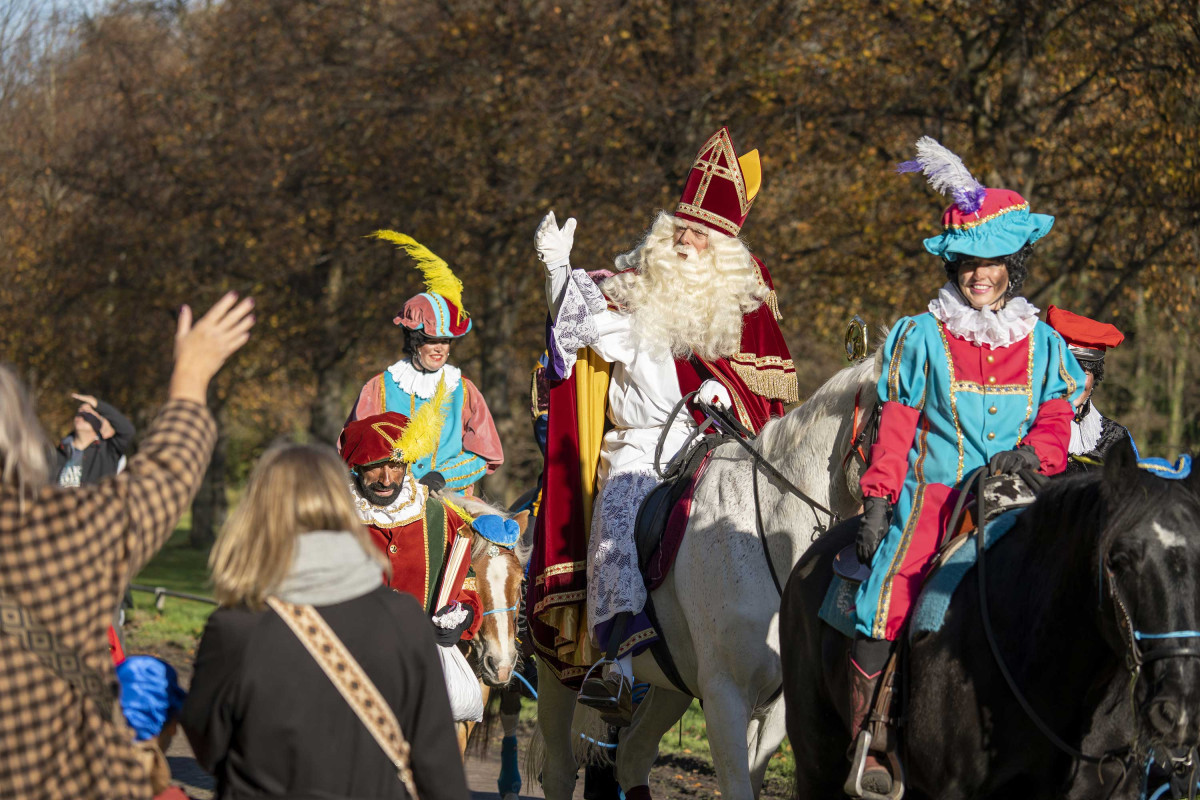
<point x="101" y="457"/>
<point x="266" y="721"/>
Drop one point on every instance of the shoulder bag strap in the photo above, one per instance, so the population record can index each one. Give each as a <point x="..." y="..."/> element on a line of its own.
<point x="351" y="682"/>
<point x="61" y="659"/>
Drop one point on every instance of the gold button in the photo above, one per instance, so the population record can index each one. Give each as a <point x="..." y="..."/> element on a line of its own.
<point x="991" y="378"/>
<point x="392" y="548"/>
<point x="991" y="436"/>
<point x="992" y="410"/>
<point x="991" y="359"/>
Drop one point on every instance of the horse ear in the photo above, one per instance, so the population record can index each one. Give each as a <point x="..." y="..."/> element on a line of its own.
<point x="1119" y="463"/>
<point x="524" y="548"/>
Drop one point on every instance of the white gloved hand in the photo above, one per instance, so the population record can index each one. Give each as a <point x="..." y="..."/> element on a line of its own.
<point x="554" y="243"/>
<point x="715" y="393"/>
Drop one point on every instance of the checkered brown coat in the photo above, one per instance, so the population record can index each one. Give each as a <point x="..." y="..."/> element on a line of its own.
<point x="66" y="557"/>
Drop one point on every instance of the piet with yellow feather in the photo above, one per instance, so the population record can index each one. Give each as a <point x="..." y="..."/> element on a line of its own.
<point x="438" y="311"/>
<point x="391" y="436"/>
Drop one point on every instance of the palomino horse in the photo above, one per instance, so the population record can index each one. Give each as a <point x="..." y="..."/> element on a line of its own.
<point x="499" y="572"/>
<point x="1094" y="600"/>
<point x="718" y="609"/>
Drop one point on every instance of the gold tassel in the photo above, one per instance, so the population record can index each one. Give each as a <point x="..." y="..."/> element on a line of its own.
<point x="439" y="279"/>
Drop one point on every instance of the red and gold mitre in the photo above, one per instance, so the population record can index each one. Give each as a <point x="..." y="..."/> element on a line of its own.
<point x="721" y="186"/>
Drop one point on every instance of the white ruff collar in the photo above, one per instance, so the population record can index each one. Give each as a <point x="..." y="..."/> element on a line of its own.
<point x="408" y="507"/>
<point x="1000" y="328"/>
<point x="1085" y="434"/>
<point x="423" y="384"/>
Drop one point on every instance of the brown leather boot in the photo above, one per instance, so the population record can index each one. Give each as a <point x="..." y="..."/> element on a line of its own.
<point x="876" y="776"/>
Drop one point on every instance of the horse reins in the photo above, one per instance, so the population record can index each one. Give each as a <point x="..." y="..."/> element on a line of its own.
<point x="1135" y="656"/>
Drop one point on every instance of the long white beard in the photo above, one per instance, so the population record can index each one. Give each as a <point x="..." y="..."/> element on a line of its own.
<point x="688" y="305"/>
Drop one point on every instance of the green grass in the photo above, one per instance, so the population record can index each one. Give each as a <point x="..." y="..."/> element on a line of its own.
<point x="690" y="737"/>
<point x="182" y="568"/>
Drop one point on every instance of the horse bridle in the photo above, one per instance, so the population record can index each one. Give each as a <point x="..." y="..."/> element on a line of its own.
<point x="1135" y="656"/>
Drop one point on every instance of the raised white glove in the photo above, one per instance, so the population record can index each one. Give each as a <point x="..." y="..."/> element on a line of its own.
<point x="714" y="392"/>
<point x="554" y="243"/>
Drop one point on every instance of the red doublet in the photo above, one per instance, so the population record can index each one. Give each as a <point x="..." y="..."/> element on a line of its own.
<point x="417" y="556"/>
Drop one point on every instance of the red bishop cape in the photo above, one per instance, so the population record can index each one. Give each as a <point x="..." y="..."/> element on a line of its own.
<point x="760" y="378"/>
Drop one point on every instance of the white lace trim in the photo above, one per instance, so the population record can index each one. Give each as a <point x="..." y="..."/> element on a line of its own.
<point x="452" y="618"/>
<point x="423" y="384"/>
<point x="995" y="329"/>
<point x="408" y="507"/>
<point x="1085" y="434"/>
<point x="574" y="327"/>
<point x="614" y="580"/>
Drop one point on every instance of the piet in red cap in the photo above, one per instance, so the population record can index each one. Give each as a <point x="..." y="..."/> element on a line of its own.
<point x="1087" y="338"/>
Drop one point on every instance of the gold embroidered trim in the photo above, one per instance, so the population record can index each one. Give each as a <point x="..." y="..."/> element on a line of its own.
<point x="425" y="549"/>
<point x="635" y="640"/>
<point x="719" y="144"/>
<point x="979" y="388"/>
<point x="1028" y="389"/>
<point x="769" y="376"/>
<point x="1065" y="374"/>
<point x="879" y="630"/>
<point x="559" y="569"/>
<point x="562" y="598"/>
<point x="974" y="223"/>
<point x="953" y="398"/>
<point x="709" y="217"/>
<point x="894" y="364"/>
<point x="470" y="584"/>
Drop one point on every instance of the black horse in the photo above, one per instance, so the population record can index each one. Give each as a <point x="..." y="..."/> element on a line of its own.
<point x="1092" y="551"/>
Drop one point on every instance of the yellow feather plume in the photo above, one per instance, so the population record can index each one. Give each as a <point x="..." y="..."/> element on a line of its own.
<point x="424" y="430"/>
<point x="462" y="512"/>
<point x="439" y="279"/>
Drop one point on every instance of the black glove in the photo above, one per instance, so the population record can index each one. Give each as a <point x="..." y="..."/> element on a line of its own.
<point x="448" y="637"/>
<point x="877" y="516"/>
<point x="1014" y="461"/>
<point x="434" y="481"/>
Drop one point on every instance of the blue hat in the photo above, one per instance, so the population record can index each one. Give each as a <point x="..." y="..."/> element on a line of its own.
<point x="497" y="530"/>
<point x="981" y="222"/>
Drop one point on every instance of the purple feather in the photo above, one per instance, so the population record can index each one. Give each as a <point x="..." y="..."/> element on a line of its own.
<point x="908" y="166"/>
<point x="968" y="199"/>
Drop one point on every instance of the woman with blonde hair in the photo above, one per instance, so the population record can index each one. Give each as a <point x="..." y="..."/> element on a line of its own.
<point x="264" y="714"/>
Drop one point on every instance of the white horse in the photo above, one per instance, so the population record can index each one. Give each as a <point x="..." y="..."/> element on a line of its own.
<point x="718" y="609"/>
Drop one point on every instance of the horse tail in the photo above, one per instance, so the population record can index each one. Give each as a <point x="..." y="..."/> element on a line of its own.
<point x="535" y="755"/>
<point x="589" y="733"/>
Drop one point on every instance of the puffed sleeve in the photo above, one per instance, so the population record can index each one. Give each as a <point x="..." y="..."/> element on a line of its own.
<point x="901" y="389"/>
<point x="479" y="434"/>
<point x="1063" y="383"/>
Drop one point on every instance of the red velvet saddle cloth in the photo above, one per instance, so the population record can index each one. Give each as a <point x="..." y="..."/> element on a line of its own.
<point x="664" y="555"/>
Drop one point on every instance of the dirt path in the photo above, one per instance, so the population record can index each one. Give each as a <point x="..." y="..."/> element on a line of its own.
<point x="674" y="776"/>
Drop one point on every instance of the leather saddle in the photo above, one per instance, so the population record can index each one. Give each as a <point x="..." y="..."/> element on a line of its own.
<point x="656" y="509"/>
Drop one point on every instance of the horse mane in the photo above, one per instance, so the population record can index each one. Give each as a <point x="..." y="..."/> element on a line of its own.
<point x="476" y="507"/>
<point x="779" y="436"/>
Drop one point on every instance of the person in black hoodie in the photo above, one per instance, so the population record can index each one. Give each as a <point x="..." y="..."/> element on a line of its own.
<point x="94" y="450"/>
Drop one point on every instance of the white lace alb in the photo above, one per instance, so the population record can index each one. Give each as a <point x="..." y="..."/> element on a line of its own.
<point x="407" y="508"/>
<point x="995" y="329"/>
<point x="615" y="582"/>
<point x="423" y="384"/>
<point x="574" y="327"/>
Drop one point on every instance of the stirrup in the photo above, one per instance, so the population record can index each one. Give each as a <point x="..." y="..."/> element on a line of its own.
<point x="858" y="765"/>
<point x="587" y="676"/>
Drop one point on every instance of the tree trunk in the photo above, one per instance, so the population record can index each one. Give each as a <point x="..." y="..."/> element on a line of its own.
<point x="1178" y="385"/>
